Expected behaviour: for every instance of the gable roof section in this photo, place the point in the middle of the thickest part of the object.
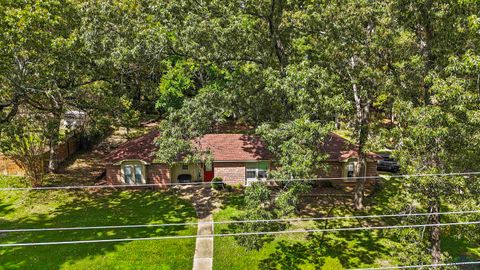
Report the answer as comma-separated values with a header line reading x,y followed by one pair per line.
x,y
224,147
141,148
234,147
229,147
340,149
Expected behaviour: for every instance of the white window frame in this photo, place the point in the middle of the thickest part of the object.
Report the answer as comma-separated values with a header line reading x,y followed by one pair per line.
x,y
351,162
256,170
134,165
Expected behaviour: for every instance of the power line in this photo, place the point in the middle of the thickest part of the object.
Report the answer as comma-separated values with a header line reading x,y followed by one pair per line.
x,y
238,234
237,221
419,266
371,178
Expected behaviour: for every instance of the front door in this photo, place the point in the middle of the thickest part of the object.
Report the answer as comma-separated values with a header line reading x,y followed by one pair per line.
x,y
208,172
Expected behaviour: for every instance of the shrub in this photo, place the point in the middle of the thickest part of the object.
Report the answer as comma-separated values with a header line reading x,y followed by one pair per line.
x,y
238,186
332,264
25,143
218,183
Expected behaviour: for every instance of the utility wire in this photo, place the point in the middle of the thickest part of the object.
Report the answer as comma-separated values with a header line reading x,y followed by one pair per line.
x,y
370,178
237,222
419,266
238,234
377,176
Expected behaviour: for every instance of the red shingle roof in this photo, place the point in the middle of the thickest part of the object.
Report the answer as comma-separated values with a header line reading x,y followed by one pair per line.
x,y
229,147
234,147
339,148
142,148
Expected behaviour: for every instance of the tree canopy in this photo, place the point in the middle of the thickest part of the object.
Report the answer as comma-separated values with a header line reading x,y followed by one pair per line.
x,y
403,75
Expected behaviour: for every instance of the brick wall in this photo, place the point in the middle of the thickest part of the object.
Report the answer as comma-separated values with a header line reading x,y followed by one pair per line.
x,y
372,168
114,175
231,172
336,170
155,173
158,174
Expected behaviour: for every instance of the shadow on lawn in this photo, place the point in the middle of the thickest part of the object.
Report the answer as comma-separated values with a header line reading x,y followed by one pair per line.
x,y
91,209
5,208
351,250
234,199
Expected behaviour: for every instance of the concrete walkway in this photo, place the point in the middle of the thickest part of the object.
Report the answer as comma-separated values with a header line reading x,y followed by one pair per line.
x,y
203,258
202,200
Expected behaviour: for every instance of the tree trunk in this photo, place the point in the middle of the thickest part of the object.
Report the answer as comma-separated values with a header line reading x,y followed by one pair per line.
x,y
54,134
426,35
435,232
392,115
274,20
362,115
359,191
337,121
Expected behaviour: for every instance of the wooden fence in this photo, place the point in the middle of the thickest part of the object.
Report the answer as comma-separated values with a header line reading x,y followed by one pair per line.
x,y
65,150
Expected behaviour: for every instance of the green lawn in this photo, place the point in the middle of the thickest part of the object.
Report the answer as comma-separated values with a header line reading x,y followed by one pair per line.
x,y
353,249
299,250
43,209
229,255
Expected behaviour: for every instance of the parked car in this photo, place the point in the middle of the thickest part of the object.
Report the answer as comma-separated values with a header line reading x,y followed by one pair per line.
x,y
387,164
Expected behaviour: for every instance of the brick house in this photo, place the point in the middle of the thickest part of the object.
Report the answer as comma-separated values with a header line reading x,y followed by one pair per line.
x,y
237,159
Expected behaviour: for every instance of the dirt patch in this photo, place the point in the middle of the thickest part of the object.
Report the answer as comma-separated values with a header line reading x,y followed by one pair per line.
x,y
87,167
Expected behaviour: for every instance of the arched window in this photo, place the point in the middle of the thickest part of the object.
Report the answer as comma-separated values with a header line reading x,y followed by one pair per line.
x,y
133,172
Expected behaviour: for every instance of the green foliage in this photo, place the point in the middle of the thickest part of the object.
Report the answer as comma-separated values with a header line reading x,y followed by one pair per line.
x,y
218,183
258,195
177,84
130,117
332,264
25,143
255,242
288,200
400,73
197,116
296,144
258,207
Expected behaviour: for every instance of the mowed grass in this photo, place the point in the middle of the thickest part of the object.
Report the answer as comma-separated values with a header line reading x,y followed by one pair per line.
x,y
50,209
299,250
351,249
229,255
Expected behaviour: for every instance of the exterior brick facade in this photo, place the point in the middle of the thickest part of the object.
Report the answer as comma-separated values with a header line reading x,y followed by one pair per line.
x,y
231,172
336,170
230,152
155,173
158,174
114,174
372,168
